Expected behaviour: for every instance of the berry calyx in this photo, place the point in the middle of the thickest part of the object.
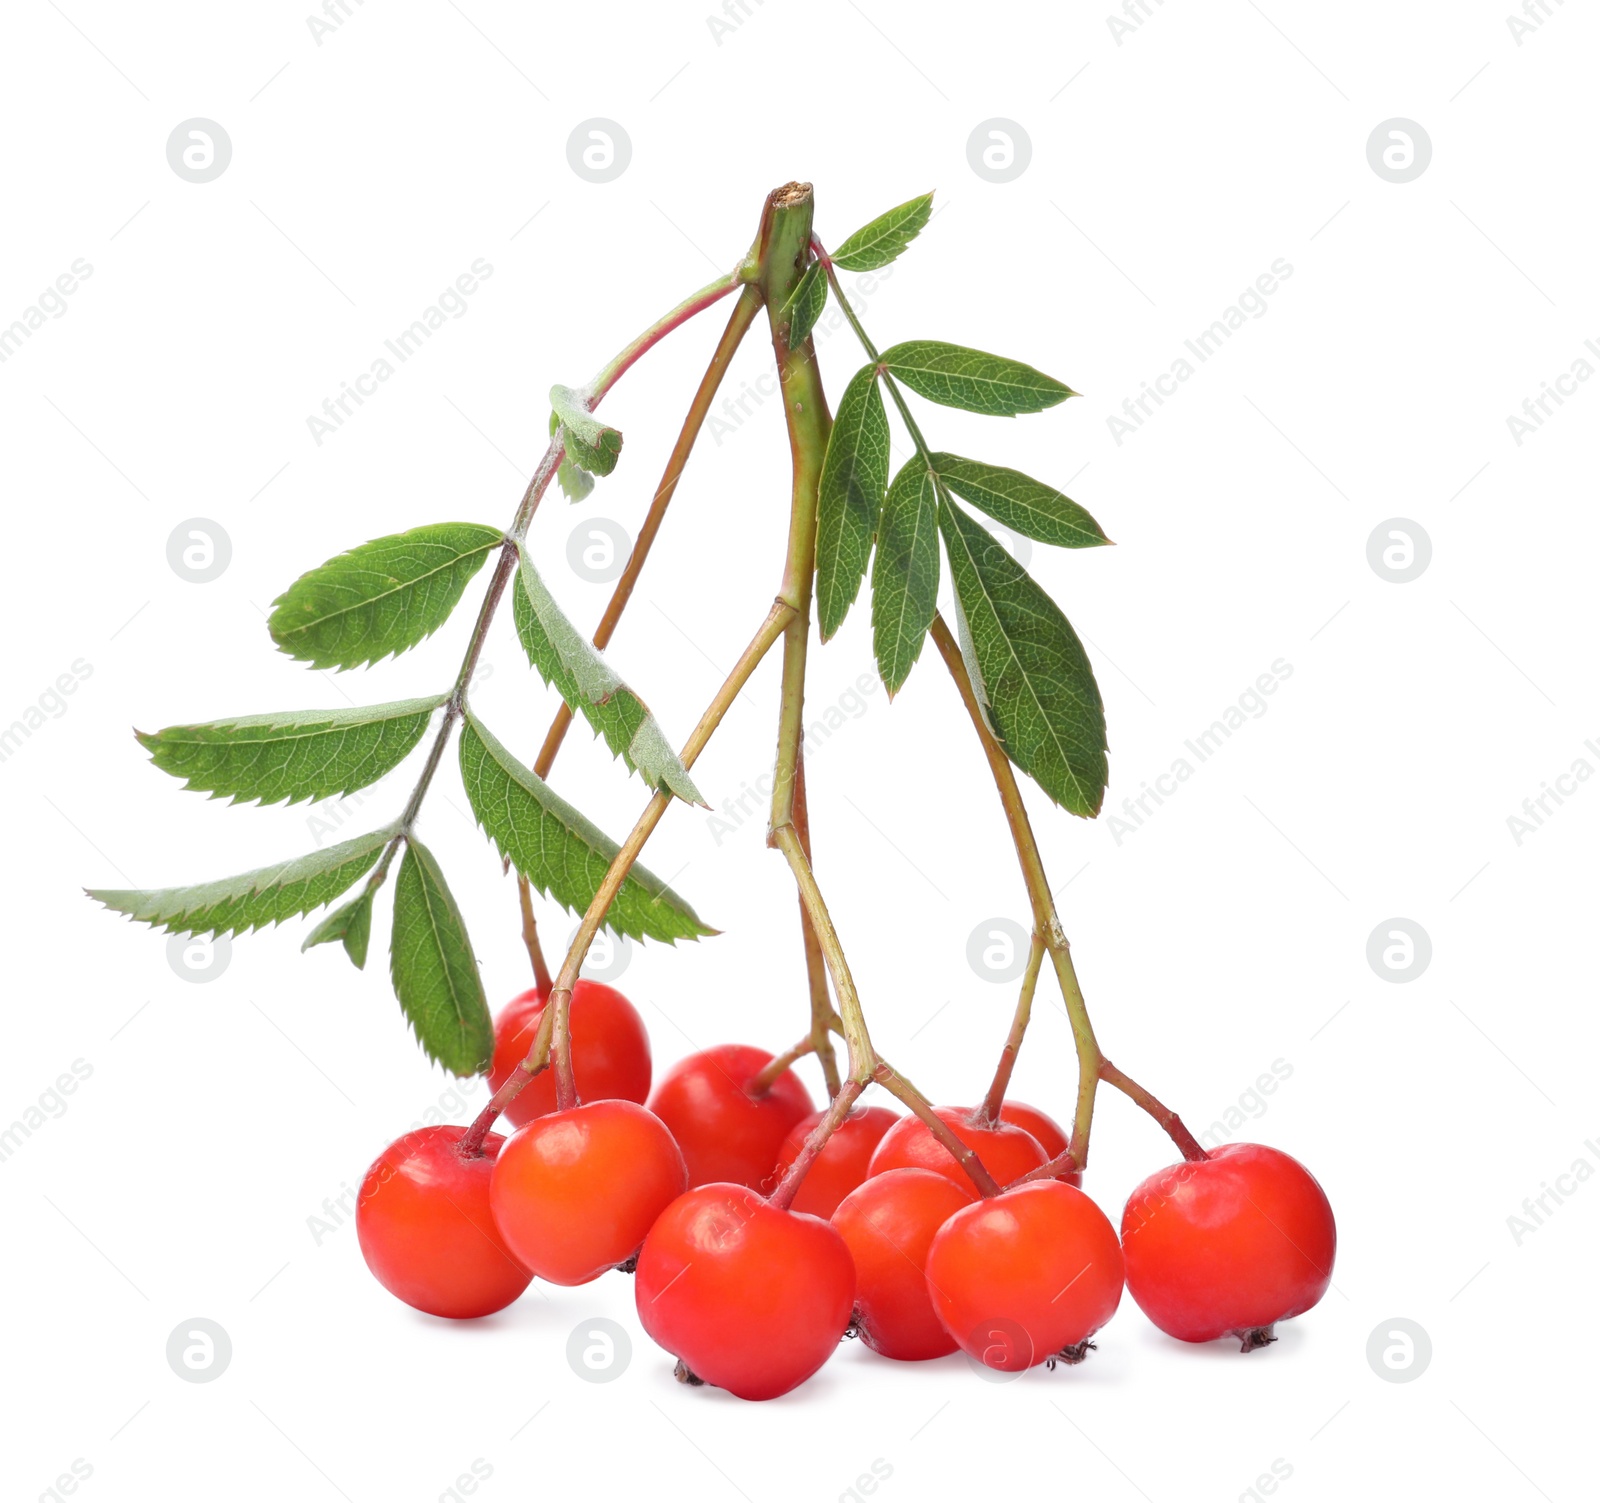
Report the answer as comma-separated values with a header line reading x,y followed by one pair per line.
x,y
1228,1245
888,1223
842,1164
1006,1150
574,1193
728,1132
1049,1133
748,1298
610,1050
427,1232
1026,1277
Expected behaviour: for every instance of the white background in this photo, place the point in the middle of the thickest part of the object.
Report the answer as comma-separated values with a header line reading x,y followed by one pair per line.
x,y
1169,169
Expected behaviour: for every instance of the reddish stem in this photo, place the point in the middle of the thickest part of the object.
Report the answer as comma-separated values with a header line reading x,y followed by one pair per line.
x,y
902,1090
789,1185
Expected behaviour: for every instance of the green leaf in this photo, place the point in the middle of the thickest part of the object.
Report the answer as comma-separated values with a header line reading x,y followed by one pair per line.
x,y
235,905
434,971
971,380
850,497
1030,671
575,483
1022,503
380,598
573,666
556,848
351,923
805,304
878,243
905,573
591,445
295,755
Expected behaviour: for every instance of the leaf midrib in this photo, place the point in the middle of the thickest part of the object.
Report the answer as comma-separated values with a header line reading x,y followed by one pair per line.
x,y
408,584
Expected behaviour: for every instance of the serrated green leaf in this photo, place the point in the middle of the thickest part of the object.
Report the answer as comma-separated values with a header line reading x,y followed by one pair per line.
x,y
380,598
236,905
575,483
878,243
351,923
1030,671
591,445
805,304
1020,502
905,572
574,667
850,498
295,755
434,971
971,380
556,848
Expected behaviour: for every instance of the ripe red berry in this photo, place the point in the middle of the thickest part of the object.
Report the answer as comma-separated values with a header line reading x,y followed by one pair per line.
x,y
574,1192
747,1297
888,1224
1229,1244
426,1230
610,1050
726,1133
1026,1276
842,1164
1006,1151
1049,1133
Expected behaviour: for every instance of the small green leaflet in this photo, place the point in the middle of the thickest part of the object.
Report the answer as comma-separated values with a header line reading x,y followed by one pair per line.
x,y
573,666
556,848
434,971
805,304
296,755
351,923
971,380
380,598
1028,666
236,905
878,243
1020,502
850,497
905,573
591,445
575,483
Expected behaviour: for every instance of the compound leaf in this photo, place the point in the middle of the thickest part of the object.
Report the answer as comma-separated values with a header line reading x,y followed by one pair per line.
x,y
971,380
434,971
1030,671
556,848
295,755
380,598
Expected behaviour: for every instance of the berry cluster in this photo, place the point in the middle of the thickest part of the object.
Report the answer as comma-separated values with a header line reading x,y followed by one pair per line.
x,y
753,1255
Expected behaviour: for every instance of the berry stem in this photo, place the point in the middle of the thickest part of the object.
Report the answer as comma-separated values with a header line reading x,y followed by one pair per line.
x,y
560,999
902,1090
536,1062
744,312
823,1018
1019,1026
788,1187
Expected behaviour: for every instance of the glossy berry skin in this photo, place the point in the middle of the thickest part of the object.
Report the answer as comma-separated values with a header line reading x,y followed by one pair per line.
x,y
842,1164
1228,1245
1006,1151
748,1297
1049,1133
426,1230
573,1193
727,1134
610,1050
888,1223
1026,1276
